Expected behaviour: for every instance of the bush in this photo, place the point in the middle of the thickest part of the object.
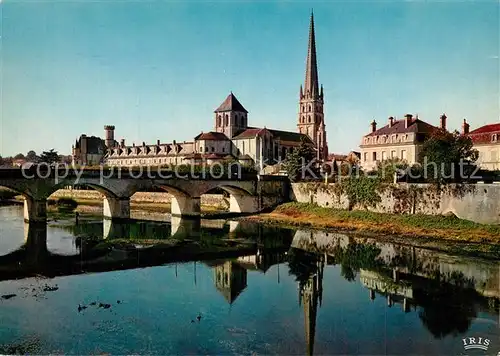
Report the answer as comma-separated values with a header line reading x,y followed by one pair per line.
x,y
66,204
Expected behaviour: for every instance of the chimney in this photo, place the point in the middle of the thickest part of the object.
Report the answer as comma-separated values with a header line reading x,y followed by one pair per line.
x,y
133,145
143,143
391,121
374,126
442,122
465,128
408,120
122,142
157,142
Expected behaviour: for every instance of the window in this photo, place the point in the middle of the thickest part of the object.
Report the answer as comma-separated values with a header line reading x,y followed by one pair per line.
x,y
366,156
223,149
219,120
243,147
309,119
384,156
403,154
226,119
213,149
494,138
393,154
374,156
206,149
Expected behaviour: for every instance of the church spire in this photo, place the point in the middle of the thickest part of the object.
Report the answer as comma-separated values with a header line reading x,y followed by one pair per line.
x,y
311,85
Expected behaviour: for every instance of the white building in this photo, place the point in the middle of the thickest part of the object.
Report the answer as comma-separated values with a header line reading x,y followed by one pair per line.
x,y
402,139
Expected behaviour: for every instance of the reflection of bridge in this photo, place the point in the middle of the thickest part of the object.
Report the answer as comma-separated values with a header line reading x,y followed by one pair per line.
x,y
99,255
248,194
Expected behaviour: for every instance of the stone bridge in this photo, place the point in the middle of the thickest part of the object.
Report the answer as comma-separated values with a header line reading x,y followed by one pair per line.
x,y
248,194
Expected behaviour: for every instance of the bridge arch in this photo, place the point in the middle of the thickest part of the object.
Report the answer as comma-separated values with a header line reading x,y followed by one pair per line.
x,y
97,187
240,199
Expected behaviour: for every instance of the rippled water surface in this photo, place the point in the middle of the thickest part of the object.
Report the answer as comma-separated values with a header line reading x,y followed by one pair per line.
x,y
99,287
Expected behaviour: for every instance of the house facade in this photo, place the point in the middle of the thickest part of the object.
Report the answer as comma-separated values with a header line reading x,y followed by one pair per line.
x,y
486,140
398,139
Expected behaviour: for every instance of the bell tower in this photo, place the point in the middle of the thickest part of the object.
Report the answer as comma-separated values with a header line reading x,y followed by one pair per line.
x,y
231,117
311,119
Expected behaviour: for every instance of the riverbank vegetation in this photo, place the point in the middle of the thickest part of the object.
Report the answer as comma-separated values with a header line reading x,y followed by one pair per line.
x,y
441,227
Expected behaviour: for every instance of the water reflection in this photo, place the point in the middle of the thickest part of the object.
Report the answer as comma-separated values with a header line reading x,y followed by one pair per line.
x,y
446,295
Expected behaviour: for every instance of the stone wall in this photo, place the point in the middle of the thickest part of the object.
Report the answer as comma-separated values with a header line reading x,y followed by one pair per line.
x,y
139,197
479,203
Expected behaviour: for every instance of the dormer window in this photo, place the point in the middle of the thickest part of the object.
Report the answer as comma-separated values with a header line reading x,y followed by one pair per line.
x,y
494,138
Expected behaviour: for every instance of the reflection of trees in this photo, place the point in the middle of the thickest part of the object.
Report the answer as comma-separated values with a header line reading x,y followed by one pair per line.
x,y
302,264
446,309
355,256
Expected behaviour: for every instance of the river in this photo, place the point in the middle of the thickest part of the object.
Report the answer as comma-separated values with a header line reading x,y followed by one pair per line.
x,y
99,287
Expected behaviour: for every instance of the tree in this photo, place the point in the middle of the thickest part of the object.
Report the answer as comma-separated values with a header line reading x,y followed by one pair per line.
x,y
299,160
49,156
388,168
31,156
1,161
19,156
447,157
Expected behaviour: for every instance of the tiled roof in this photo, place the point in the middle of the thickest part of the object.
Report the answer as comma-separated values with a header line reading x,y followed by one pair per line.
x,y
398,126
211,136
250,132
282,135
290,136
484,134
337,157
231,104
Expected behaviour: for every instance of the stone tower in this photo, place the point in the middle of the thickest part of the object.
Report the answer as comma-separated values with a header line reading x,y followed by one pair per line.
x,y
109,131
231,117
311,118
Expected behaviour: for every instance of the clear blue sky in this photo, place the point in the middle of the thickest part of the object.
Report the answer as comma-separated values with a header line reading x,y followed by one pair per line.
x,y
158,69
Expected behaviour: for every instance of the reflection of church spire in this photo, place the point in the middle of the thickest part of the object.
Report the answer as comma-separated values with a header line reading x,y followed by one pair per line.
x,y
311,292
230,280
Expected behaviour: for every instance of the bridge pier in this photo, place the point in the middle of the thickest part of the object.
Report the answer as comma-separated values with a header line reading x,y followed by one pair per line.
x,y
182,228
116,208
115,230
35,210
185,206
35,235
244,203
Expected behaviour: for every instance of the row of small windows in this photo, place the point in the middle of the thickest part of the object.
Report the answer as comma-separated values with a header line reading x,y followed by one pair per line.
x,y
239,120
383,155
141,161
212,149
309,108
308,119
384,139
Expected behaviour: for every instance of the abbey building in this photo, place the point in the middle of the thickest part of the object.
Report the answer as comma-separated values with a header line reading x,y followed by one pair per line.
x,y
231,137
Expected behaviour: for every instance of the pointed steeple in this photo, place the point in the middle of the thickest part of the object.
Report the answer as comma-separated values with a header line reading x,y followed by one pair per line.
x,y
311,87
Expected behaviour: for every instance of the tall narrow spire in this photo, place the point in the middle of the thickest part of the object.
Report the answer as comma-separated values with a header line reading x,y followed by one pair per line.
x,y
311,85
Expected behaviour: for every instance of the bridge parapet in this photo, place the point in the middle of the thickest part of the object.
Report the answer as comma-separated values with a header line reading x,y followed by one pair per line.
x,y
246,195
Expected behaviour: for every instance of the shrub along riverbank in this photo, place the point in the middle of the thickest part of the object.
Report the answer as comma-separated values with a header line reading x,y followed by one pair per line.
x,y
416,226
